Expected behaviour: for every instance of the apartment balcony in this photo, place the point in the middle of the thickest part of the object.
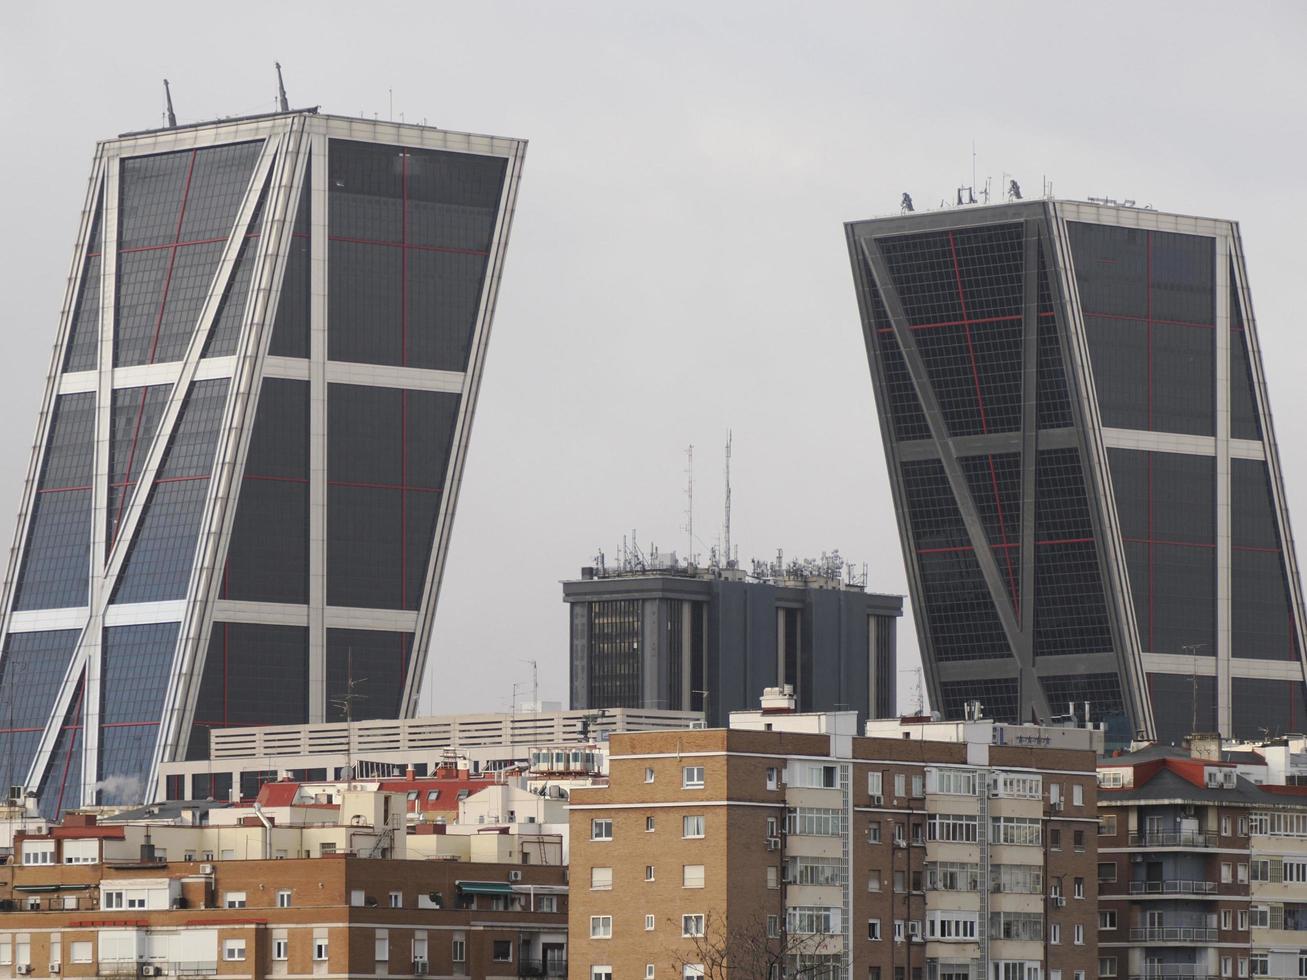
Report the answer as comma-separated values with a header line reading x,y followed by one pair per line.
x,y
1173,886
542,968
1178,975
1174,838
1175,934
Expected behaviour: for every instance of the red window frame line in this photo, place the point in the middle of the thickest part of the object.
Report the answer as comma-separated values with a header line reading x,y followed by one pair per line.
x,y
1150,321
19,731
76,728
405,245
961,323
62,489
195,241
1006,547
129,724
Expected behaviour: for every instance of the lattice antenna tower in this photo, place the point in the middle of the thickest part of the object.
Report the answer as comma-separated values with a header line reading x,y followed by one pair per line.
x,y
689,501
727,558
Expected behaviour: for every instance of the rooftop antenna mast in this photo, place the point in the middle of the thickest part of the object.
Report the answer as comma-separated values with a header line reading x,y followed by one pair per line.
x,y
726,525
282,104
346,705
167,98
689,500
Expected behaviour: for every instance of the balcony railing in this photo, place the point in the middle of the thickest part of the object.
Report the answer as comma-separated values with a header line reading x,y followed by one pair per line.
x,y
1174,838
1173,886
1172,971
1175,934
542,968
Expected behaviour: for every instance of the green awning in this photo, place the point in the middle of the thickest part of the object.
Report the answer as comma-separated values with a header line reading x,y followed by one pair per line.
x,y
484,887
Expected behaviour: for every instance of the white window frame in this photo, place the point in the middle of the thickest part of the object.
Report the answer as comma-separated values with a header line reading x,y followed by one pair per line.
x,y
601,828
601,927
233,950
693,925
686,826
692,777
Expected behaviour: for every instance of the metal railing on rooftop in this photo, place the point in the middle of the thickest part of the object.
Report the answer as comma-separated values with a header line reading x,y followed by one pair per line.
x,y
1174,838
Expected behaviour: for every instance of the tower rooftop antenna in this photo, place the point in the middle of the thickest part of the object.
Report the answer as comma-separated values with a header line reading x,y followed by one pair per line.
x,y
167,97
726,523
282,104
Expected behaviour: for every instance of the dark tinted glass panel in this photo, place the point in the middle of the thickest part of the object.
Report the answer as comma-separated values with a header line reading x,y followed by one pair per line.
x,y
997,697
177,211
901,395
963,622
1261,616
253,675
1183,278
1245,420
84,330
290,331
615,680
1118,351
226,331
1053,406
158,566
1102,691
387,456
268,557
1070,609
995,485
1148,301
61,784
136,665
31,672
1166,508
56,560
1174,712
135,420
377,663
1265,707
410,233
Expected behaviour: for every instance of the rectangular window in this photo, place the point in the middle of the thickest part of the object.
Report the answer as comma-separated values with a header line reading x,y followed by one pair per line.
x,y
1078,839
773,877
1077,794
601,927
501,951
234,900
233,949
601,879
80,951
1227,966
649,825
458,951
918,785
648,774
1259,916
955,827
320,950
900,784
1227,872
1107,966
1078,937
692,925
1243,966
283,898
281,949
873,832
692,875
648,872
1243,920
692,826
381,946
1227,919
873,929
772,778
875,786
601,973
1054,933
1107,825
1079,888
873,881
953,782
1107,871
601,829
1242,873
648,923
951,925
692,777
1225,826
1016,830
1261,964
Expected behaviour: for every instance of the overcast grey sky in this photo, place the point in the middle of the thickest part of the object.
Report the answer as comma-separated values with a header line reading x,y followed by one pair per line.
x,y
677,265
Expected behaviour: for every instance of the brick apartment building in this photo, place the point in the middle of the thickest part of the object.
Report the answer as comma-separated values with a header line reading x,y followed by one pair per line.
x,y
64,911
1202,873
929,851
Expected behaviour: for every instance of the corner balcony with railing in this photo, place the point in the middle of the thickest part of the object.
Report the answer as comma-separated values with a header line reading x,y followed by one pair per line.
x,y
1158,839
1173,886
1174,934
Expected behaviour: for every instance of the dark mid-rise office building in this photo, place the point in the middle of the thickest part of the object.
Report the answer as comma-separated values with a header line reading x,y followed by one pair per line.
x,y
250,446
697,640
1074,414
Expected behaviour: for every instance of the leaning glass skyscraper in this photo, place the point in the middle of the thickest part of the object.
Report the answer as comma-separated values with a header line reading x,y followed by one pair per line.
x,y
1085,476
249,451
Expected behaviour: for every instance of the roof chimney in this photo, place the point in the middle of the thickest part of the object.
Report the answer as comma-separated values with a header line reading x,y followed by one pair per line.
x,y
779,700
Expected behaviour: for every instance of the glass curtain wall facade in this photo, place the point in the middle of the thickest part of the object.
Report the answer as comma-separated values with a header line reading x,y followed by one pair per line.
x,y
1086,482
249,452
